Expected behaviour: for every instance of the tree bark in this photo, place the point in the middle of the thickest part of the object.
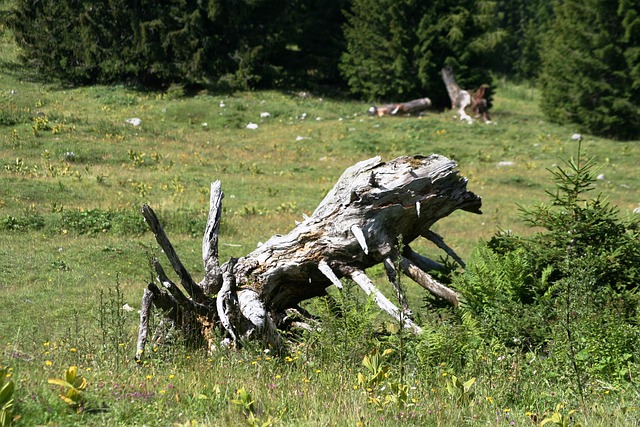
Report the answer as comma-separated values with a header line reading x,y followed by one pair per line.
x,y
373,210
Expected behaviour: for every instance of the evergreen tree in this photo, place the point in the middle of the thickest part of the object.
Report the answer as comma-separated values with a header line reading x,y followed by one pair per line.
x,y
396,49
524,23
591,69
219,42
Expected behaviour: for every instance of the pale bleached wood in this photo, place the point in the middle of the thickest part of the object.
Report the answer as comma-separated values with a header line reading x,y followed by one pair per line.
x,y
143,329
429,283
361,279
374,208
213,275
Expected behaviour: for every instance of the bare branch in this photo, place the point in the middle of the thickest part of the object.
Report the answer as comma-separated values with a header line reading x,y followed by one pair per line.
x,y
213,276
429,283
143,329
439,241
185,278
328,272
361,279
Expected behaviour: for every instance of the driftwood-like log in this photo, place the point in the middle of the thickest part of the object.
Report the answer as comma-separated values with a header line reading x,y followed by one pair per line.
x,y
401,108
358,225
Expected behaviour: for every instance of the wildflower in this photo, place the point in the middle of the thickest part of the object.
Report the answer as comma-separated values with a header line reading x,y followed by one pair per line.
x,y
48,363
288,359
254,363
506,410
278,377
318,371
73,350
46,344
489,399
306,380
171,376
163,391
148,377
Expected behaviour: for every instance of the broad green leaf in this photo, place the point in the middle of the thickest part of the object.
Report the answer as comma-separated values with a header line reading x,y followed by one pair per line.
x,y
6,392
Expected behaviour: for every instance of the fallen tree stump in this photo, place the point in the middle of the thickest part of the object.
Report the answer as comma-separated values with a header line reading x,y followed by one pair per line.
x,y
355,227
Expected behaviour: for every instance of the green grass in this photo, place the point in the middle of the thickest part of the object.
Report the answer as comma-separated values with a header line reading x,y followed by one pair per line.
x,y
73,248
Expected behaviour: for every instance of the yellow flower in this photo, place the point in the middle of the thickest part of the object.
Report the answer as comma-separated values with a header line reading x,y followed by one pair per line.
x,y
171,376
8,375
73,350
489,399
318,371
48,363
46,344
148,377
278,377
306,380
163,391
505,410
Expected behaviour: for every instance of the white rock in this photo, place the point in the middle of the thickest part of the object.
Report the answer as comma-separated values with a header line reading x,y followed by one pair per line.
x,y
134,121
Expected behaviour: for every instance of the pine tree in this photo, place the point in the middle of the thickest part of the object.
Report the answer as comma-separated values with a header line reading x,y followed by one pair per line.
x,y
396,49
591,69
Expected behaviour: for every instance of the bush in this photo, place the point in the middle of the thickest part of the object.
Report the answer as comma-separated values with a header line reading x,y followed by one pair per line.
x,y
568,291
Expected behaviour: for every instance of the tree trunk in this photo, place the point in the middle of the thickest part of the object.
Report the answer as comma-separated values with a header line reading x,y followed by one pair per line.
x,y
401,108
356,226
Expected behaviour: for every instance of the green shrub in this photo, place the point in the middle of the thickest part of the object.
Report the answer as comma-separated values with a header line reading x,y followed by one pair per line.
x,y
567,291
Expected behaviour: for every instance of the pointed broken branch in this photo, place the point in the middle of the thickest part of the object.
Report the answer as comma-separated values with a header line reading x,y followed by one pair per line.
x,y
429,283
185,278
362,280
439,241
213,275
143,329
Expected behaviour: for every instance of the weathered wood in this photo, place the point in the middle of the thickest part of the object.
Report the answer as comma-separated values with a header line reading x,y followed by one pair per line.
x,y
361,279
357,225
402,108
143,329
213,275
185,278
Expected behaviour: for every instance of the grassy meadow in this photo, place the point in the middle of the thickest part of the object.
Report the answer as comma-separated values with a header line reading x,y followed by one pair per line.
x,y
74,253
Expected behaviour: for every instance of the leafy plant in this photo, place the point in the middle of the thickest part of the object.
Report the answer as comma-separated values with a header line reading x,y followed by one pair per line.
x,y
74,386
560,419
459,390
7,388
376,368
